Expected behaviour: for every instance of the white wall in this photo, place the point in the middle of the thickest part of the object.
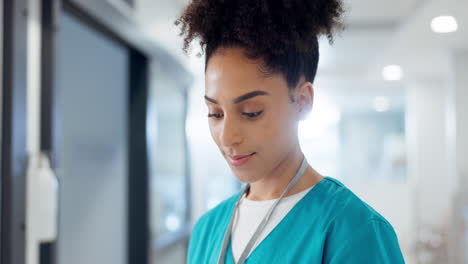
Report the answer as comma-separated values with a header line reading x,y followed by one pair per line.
x,y
428,168
458,131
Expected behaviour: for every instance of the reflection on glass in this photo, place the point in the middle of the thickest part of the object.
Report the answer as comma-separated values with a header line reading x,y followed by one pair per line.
x,y
91,144
166,148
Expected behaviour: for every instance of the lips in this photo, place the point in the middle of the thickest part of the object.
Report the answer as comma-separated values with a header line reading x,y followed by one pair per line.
x,y
239,160
240,156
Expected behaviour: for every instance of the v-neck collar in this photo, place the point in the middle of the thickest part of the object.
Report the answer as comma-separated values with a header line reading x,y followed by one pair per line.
x,y
280,226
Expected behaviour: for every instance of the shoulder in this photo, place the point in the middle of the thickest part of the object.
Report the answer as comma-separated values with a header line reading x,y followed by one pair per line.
x,y
216,215
208,232
353,225
341,205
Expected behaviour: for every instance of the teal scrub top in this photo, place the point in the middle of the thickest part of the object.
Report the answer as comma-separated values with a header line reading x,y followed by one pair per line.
x,y
330,224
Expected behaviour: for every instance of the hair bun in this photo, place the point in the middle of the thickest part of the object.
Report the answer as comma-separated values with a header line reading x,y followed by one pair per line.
x,y
261,25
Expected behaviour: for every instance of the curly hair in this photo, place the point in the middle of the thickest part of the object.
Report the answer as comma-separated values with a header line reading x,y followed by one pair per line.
x,y
283,33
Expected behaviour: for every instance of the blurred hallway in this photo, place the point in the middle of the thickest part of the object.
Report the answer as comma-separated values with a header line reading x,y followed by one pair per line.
x,y
102,92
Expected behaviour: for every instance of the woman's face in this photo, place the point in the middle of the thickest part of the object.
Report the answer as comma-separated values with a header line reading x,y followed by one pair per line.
x,y
249,115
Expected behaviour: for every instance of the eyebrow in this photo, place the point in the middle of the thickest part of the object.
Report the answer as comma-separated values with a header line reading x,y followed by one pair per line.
x,y
240,98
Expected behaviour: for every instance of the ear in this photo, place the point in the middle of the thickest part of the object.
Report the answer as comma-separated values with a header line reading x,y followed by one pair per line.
x,y
304,99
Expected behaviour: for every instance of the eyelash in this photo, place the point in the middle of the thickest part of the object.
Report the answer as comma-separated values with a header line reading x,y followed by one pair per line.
x,y
249,115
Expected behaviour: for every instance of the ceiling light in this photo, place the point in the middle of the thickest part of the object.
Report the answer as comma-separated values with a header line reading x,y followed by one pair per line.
x,y
392,73
381,104
444,24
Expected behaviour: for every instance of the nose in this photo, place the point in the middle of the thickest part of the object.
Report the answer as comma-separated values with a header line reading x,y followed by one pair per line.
x,y
230,133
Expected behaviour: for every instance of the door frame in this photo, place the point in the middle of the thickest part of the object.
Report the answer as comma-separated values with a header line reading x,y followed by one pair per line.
x,y
13,136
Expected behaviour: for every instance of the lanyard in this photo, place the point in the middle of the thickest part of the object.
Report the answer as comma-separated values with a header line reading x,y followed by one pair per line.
x,y
264,222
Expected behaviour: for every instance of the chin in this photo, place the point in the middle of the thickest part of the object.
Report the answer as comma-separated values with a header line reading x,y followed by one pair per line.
x,y
246,177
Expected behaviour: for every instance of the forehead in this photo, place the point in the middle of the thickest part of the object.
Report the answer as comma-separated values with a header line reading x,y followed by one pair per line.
x,y
229,73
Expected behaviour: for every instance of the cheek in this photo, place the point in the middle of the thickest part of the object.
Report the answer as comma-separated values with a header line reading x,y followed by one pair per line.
x,y
272,131
281,128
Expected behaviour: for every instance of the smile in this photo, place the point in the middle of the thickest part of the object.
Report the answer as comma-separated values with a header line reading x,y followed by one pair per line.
x,y
238,161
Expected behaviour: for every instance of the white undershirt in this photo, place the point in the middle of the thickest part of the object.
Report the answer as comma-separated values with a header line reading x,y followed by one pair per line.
x,y
251,213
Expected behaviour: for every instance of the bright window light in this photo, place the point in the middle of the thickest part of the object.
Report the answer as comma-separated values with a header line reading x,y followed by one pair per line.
x,y
444,24
392,73
325,114
381,104
172,222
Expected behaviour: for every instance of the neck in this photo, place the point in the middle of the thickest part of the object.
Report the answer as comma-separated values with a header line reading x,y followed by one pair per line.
x,y
272,186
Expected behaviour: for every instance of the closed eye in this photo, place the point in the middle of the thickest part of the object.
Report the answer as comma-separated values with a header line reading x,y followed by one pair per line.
x,y
215,116
253,115
249,115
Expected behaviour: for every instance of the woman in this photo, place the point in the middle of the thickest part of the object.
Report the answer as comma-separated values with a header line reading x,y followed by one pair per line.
x,y
261,61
